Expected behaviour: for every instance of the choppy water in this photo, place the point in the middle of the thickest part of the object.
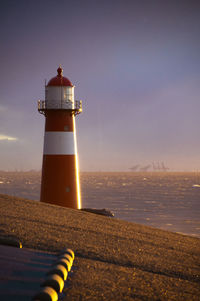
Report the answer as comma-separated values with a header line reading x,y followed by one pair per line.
x,y
169,201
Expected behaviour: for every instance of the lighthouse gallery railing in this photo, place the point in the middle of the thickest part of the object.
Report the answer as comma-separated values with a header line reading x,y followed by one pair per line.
x,y
75,106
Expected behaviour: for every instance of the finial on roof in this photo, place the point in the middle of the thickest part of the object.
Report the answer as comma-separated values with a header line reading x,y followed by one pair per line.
x,y
60,71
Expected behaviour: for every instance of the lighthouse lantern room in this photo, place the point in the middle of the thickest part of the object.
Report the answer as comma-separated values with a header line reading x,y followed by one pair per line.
x,y
60,171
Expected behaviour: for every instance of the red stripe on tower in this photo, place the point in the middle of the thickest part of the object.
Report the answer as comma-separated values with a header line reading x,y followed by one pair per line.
x,y
60,173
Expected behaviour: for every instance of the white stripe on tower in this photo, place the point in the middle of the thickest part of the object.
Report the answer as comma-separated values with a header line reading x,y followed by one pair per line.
x,y
59,143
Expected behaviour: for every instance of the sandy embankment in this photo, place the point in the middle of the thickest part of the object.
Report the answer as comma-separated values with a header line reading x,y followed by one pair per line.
x,y
115,260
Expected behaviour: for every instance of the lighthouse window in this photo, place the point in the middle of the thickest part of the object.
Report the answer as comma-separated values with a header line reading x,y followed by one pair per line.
x,y
67,189
66,128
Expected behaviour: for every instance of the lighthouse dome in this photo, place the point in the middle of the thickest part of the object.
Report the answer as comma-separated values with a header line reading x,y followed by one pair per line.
x,y
60,80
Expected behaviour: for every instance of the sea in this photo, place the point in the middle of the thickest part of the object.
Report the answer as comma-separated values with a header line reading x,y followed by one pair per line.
x,y
164,200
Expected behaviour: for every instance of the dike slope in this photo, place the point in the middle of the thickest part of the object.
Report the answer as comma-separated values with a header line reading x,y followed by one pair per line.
x,y
115,260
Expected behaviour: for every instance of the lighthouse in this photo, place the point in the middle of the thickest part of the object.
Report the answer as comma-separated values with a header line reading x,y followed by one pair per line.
x,y
60,171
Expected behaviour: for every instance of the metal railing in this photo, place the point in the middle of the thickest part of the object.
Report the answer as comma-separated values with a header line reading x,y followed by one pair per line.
x,y
75,107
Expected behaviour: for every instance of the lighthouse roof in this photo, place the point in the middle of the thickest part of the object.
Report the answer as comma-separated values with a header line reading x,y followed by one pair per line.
x,y
60,80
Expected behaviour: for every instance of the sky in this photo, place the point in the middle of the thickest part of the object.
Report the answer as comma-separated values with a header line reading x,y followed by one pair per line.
x,y
136,68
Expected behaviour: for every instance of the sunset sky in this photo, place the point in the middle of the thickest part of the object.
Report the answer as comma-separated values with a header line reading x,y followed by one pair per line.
x,y
135,65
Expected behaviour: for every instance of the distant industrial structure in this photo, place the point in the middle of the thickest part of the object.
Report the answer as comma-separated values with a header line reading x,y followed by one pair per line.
x,y
159,166
60,171
155,166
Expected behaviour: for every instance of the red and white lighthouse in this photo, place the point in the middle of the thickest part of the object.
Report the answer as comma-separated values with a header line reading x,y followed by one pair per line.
x,y
60,171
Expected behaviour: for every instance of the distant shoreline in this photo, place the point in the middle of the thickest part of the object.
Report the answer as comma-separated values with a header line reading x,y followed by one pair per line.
x,y
107,172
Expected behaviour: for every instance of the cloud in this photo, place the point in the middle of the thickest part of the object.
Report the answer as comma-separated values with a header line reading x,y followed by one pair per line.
x,y
8,138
